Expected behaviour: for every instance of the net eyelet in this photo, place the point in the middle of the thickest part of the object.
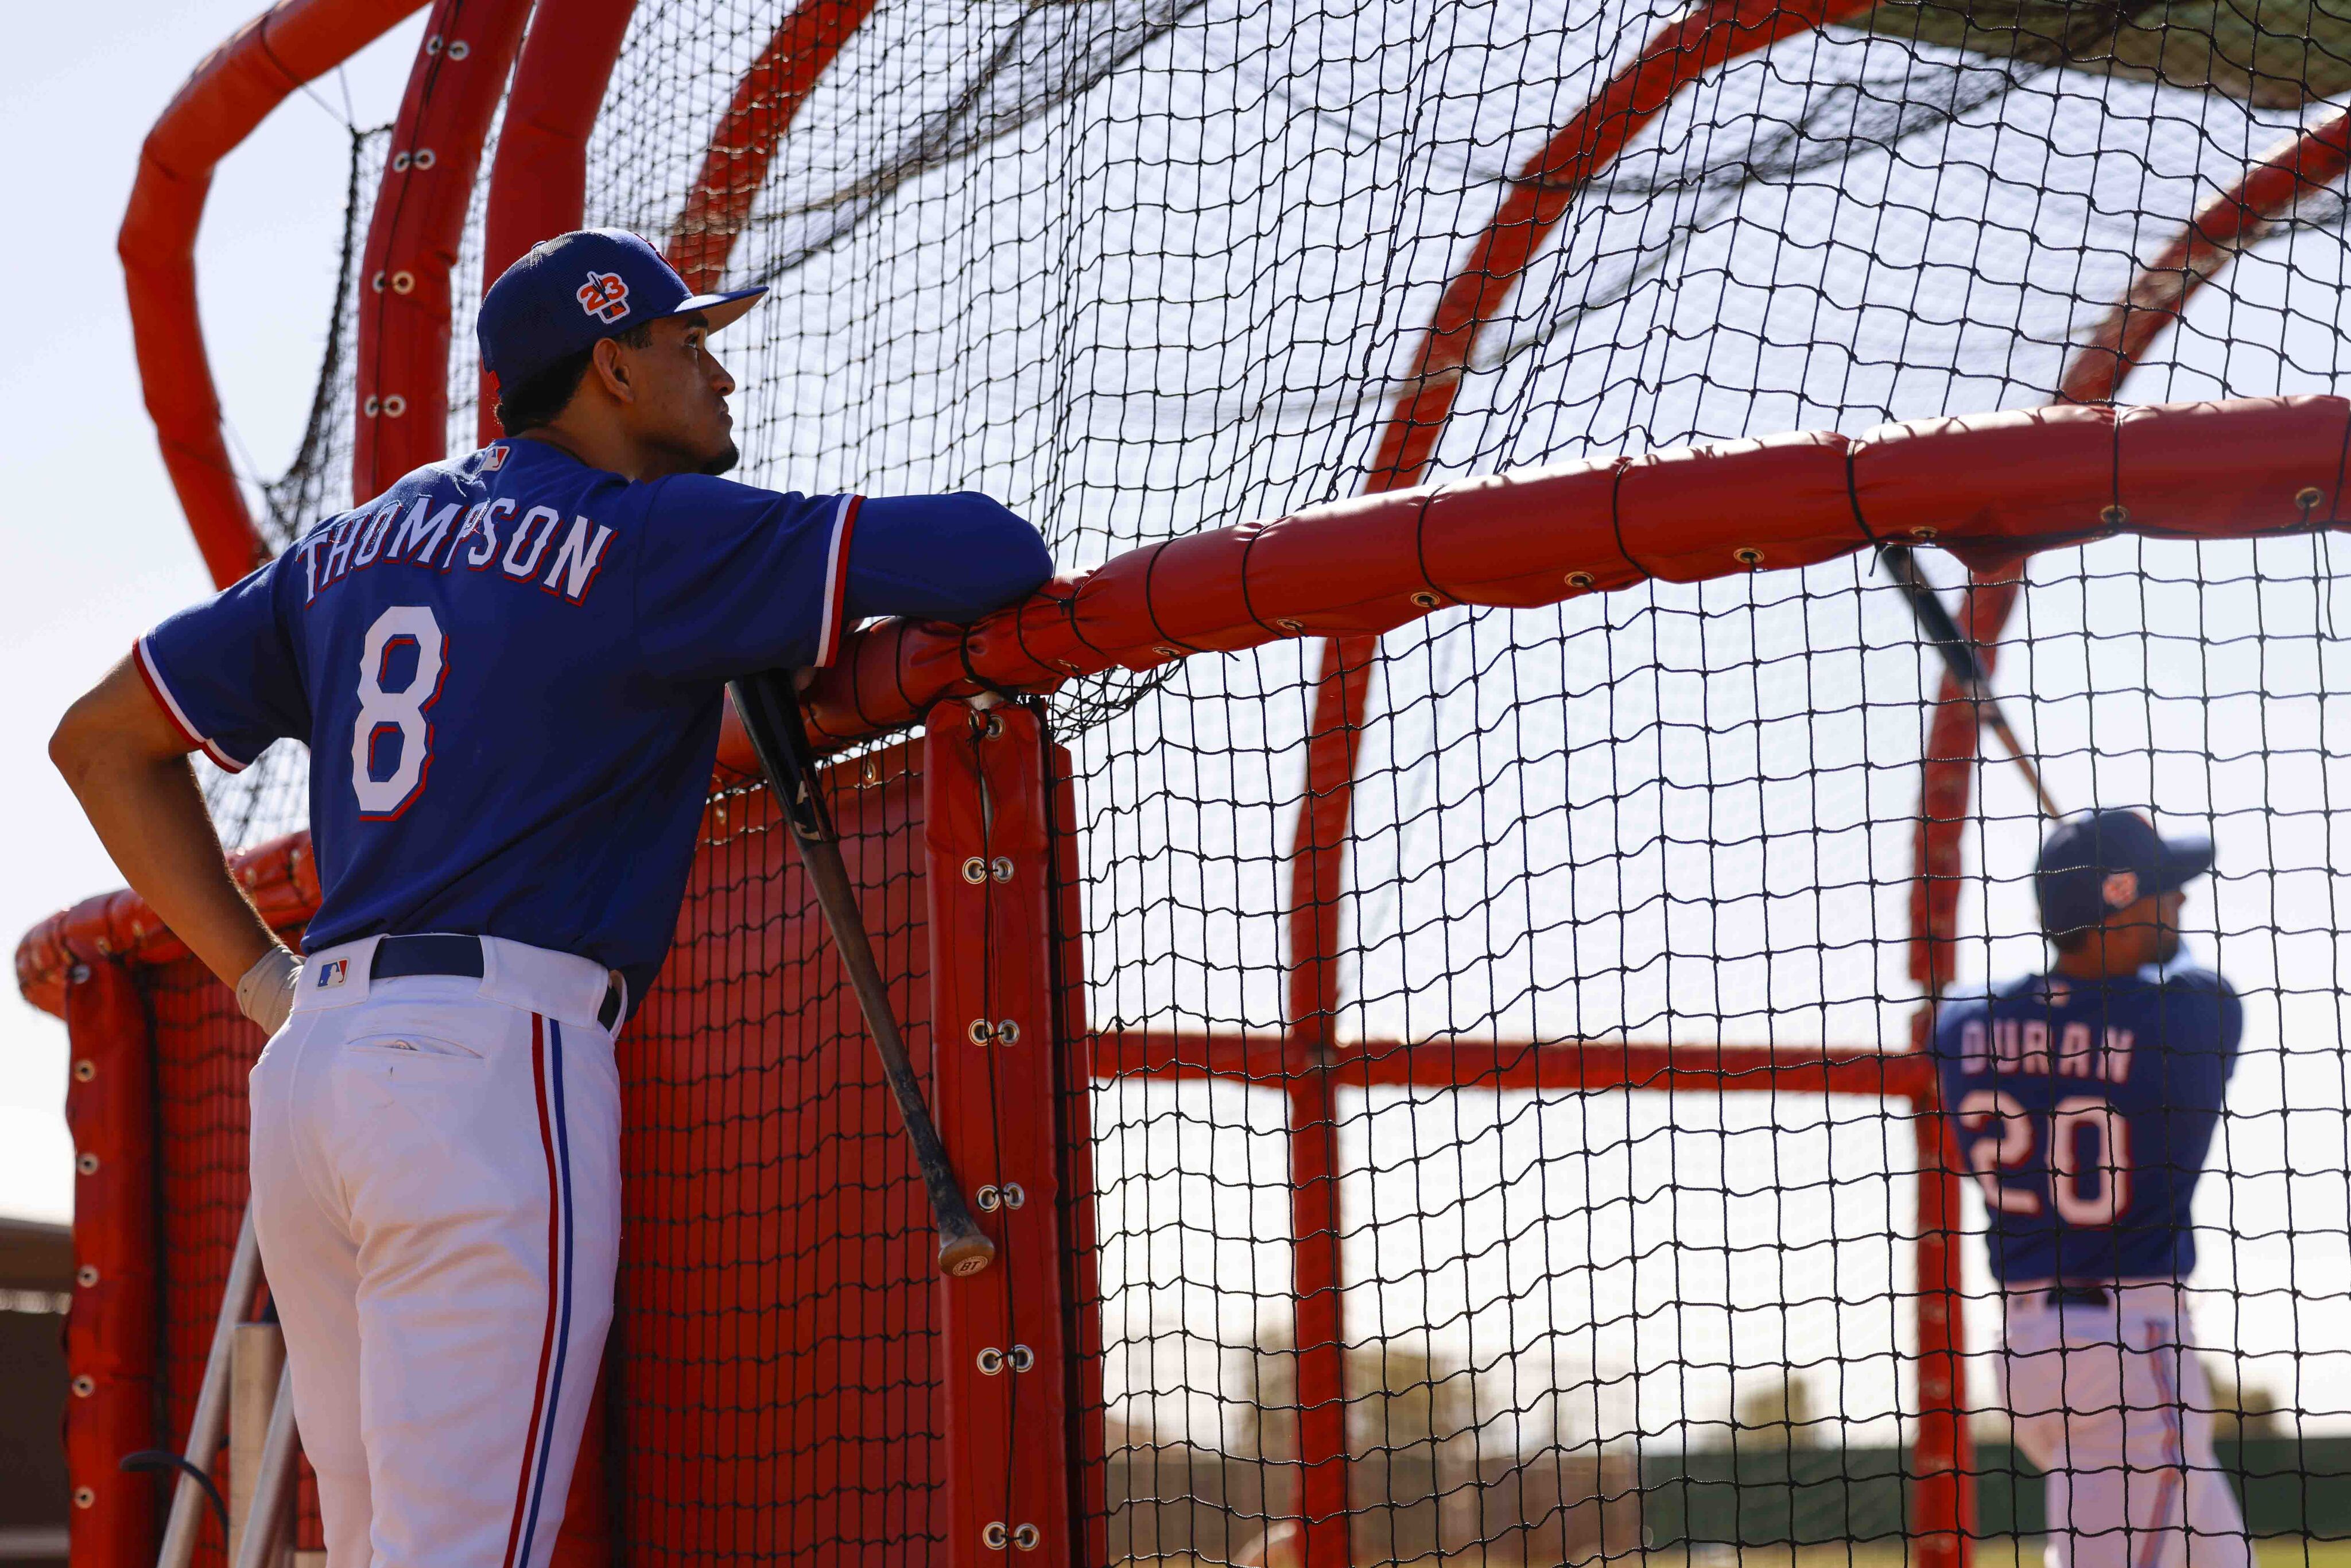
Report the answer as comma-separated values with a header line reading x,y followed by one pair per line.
x,y
1027,1537
995,1536
1579,579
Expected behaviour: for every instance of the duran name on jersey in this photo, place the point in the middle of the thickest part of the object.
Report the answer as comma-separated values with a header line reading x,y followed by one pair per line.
x,y
2084,1112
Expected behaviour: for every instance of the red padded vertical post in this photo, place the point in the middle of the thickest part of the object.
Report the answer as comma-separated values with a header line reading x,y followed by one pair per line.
x,y
996,1081
112,1336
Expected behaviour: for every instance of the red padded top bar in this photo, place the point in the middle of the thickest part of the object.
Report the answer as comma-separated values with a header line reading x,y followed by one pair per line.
x,y
1986,486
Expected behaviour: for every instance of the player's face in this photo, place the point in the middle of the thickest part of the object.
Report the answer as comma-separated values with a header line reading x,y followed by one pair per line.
x,y
681,401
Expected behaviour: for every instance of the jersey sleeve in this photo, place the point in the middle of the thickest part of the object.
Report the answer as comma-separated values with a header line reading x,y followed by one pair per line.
x,y
2203,1022
734,579
227,673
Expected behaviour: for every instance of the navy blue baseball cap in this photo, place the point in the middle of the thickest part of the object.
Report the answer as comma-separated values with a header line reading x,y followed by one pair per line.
x,y
2099,861
569,292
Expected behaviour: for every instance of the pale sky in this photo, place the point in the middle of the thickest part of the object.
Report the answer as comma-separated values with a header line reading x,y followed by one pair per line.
x,y
97,549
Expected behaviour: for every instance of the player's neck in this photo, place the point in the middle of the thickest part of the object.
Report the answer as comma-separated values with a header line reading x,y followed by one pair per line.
x,y
611,449
2098,959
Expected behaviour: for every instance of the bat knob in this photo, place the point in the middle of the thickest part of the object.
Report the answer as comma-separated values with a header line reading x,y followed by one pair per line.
x,y
960,1257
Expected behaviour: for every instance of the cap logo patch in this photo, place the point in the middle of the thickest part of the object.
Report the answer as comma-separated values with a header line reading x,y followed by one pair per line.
x,y
2121,889
605,295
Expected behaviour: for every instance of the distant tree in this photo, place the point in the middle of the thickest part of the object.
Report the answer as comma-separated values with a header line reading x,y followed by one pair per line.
x,y
1776,1410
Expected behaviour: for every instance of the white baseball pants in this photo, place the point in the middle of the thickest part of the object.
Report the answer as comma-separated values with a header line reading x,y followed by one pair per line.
x,y
2115,1408
437,1193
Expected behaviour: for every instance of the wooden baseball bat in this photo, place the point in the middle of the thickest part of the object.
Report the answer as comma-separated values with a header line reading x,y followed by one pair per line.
x,y
1959,657
771,717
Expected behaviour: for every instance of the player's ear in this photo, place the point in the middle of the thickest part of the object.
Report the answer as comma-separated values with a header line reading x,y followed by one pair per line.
x,y
610,366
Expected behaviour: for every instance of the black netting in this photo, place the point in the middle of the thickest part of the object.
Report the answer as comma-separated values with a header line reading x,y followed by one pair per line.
x,y
1139,268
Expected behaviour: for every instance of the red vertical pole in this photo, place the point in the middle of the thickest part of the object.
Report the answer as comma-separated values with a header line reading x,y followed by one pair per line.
x,y
1943,1510
1317,863
1006,1363
111,1333
1943,1501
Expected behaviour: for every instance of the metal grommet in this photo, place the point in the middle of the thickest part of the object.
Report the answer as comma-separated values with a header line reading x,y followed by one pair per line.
x,y
86,1164
993,725
2308,497
394,406
1747,555
400,162
869,772
85,1070
1000,868
84,1497
433,44
995,1536
975,870
85,1276
1027,1537
376,283
1579,579
1013,1197
1164,651
372,406
1425,599
1292,627
1007,1033
404,283
979,1031
1925,531
85,1385
987,1199
459,48
990,1361
78,975
1020,1358
2115,516
424,157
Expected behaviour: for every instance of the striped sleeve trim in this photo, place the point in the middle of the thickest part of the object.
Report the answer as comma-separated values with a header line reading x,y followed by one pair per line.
x,y
144,658
831,629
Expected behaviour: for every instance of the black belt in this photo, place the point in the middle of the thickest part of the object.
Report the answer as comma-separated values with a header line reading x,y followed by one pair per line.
x,y
2079,1296
439,952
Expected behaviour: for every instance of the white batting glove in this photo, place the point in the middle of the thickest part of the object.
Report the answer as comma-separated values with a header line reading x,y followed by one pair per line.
x,y
265,994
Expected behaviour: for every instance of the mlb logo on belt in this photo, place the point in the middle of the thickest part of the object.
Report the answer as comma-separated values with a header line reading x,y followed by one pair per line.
x,y
605,295
334,973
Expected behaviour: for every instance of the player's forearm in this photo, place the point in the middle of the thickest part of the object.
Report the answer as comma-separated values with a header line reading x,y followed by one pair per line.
x,y
151,817
942,558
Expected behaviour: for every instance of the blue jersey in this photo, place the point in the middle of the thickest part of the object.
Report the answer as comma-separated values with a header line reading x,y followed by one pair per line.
x,y
2085,1111
509,670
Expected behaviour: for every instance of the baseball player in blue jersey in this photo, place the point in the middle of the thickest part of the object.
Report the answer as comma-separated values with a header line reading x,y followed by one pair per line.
x,y
2083,1101
508,669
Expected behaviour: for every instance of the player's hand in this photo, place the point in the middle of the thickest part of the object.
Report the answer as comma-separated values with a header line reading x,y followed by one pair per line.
x,y
266,993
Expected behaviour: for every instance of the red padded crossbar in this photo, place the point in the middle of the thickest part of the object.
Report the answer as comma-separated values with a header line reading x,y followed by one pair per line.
x,y
1989,486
